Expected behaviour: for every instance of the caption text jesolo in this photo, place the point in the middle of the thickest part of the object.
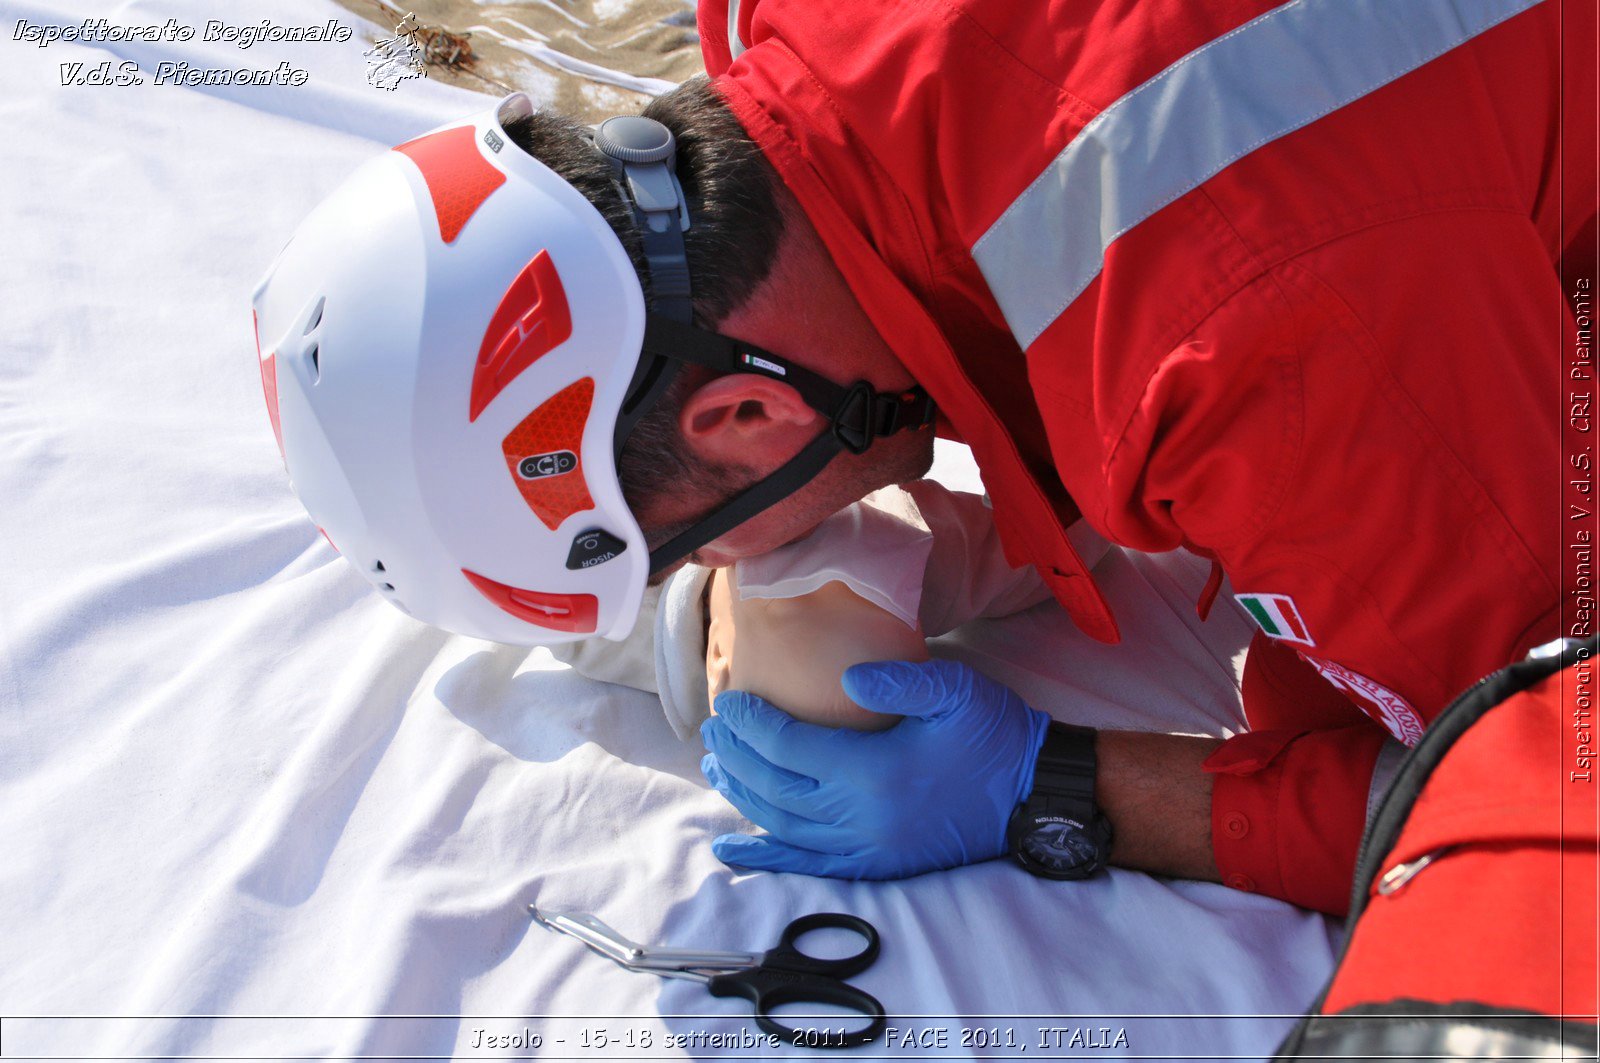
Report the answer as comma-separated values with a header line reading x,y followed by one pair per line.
x,y
894,1037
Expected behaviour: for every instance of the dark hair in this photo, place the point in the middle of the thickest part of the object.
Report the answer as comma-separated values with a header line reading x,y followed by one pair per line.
x,y
731,245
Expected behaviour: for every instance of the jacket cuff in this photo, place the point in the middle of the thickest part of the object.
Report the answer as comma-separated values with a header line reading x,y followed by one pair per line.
x,y
1287,811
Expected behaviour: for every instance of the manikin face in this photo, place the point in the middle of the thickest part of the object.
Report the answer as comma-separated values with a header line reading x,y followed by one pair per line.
x,y
720,631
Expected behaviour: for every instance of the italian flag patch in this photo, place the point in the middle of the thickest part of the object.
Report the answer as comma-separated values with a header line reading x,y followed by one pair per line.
x,y
1277,616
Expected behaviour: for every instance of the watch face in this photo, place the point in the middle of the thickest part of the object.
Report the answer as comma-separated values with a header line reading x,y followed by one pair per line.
x,y
1060,844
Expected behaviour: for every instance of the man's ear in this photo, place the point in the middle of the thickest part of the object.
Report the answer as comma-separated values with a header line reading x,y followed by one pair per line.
x,y
748,420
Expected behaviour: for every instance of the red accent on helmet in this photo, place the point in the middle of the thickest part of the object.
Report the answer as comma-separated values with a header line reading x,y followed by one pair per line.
x,y
554,428
578,613
532,320
459,177
326,536
269,383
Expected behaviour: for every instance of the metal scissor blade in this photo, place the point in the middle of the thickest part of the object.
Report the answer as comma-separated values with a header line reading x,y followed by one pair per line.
x,y
632,955
593,933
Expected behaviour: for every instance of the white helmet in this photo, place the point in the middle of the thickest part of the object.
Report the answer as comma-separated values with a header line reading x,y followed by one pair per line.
x,y
447,346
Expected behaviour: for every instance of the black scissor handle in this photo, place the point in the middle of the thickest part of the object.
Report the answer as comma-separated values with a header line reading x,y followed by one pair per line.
x,y
787,955
768,988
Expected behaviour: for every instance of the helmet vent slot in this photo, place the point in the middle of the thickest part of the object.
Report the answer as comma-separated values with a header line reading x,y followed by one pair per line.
x,y
532,320
377,566
314,359
388,587
315,318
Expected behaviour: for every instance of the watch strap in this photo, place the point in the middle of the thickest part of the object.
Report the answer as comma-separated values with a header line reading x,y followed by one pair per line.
x,y
1063,774
1063,789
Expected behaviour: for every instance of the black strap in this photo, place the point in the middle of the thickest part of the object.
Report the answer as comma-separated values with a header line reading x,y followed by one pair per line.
x,y
650,380
857,415
669,267
1063,775
666,338
793,475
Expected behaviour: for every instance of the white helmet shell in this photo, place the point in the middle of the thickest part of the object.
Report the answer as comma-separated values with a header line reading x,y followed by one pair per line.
x,y
445,345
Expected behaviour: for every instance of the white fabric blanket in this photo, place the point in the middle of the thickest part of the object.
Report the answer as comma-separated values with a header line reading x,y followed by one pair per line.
x,y
249,809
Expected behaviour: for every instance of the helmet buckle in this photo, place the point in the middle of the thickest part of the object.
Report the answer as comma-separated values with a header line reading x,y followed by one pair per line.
x,y
853,422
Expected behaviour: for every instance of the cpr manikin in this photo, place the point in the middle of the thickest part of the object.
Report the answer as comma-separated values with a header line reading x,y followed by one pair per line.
x,y
792,651
871,583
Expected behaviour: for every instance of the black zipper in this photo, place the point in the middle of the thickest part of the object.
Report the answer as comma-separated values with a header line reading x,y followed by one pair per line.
x,y
1390,817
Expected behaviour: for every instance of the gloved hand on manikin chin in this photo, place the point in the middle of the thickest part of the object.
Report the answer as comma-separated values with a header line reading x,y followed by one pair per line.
x,y
935,791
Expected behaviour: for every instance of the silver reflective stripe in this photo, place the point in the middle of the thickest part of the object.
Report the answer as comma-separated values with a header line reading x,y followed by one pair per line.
x,y
736,47
1383,773
1265,79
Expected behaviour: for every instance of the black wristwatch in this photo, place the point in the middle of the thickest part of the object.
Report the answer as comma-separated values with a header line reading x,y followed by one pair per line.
x,y
1059,832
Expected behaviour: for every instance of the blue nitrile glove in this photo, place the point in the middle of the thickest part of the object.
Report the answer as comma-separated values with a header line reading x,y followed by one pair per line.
x,y
934,791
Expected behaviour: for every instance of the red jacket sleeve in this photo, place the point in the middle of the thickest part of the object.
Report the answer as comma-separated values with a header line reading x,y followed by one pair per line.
x,y
1288,809
1290,797
1369,454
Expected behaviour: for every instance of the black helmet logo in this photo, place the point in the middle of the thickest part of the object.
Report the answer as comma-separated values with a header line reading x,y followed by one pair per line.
x,y
539,466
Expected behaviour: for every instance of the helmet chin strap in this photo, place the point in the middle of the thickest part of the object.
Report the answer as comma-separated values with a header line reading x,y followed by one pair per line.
x,y
857,416
643,153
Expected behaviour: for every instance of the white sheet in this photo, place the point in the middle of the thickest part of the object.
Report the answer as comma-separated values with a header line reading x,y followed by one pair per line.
x,y
235,784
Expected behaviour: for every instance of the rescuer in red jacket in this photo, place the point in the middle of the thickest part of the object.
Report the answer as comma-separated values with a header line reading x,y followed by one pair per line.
x,y
1282,284
1276,284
